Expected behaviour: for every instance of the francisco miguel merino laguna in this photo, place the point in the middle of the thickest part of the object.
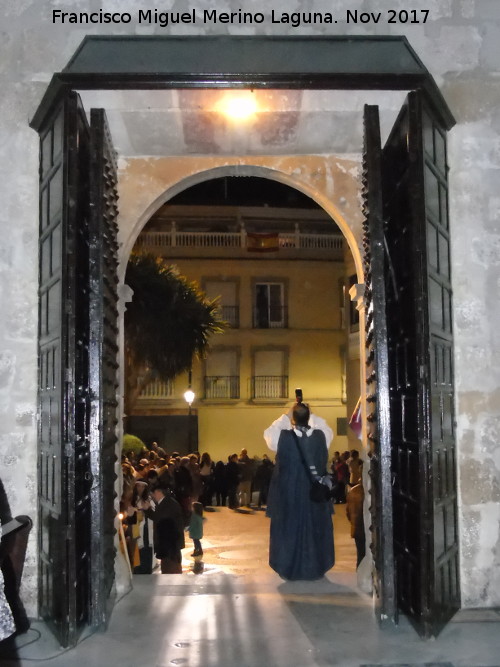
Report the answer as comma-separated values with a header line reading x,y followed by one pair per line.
x,y
163,19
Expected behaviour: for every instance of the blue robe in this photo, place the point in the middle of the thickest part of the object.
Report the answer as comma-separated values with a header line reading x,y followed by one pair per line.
x,y
301,540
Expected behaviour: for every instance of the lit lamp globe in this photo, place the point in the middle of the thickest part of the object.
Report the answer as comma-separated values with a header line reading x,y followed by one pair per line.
x,y
189,396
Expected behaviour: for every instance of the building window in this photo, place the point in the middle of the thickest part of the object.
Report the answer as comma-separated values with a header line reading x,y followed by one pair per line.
x,y
270,379
227,293
269,306
341,425
222,379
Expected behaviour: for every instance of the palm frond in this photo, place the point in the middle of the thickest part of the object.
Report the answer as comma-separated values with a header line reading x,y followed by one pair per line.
x,y
169,320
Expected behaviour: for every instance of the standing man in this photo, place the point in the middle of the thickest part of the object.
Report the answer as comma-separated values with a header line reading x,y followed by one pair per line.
x,y
168,530
246,466
354,512
355,468
301,537
232,479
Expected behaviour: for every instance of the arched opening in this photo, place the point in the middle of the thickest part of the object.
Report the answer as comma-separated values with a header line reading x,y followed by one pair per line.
x,y
248,169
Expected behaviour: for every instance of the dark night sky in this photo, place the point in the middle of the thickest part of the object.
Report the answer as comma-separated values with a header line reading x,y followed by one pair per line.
x,y
243,191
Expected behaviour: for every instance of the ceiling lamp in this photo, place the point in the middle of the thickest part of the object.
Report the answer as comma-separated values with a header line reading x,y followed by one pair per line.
x,y
238,106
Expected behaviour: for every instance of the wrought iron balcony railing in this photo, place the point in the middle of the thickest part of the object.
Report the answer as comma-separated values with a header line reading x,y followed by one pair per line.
x,y
158,389
270,318
231,315
270,386
222,386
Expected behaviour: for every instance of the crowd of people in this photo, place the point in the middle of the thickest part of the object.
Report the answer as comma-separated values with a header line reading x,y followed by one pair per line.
x,y
347,471
183,486
193,483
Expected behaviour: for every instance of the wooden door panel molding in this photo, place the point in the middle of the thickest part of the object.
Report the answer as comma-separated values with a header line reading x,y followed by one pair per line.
x,y
63,326
420,353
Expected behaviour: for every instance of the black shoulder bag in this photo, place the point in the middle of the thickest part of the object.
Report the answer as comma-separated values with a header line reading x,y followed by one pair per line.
x,y
319,491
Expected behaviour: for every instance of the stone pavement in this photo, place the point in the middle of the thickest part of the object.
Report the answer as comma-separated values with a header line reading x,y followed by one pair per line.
x,y
238,613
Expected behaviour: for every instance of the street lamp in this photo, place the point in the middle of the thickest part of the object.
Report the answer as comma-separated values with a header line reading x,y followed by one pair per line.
x,y
189,393
189,397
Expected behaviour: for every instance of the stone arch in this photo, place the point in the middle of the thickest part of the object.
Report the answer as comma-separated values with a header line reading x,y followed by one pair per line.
x,y
238,169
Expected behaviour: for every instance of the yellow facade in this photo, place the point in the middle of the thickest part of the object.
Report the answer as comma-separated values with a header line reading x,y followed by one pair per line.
x,y
313,345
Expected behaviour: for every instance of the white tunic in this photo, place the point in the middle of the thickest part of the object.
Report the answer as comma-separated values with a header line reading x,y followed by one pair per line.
x,y
272,433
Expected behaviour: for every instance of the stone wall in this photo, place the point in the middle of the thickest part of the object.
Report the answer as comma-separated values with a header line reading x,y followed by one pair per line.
x,y
459,45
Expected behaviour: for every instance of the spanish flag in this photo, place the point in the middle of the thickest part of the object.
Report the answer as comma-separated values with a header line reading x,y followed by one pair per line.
x,y
262,242
355,421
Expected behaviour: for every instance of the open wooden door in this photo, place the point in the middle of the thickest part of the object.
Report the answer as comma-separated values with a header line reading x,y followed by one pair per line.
x,y
418,303
378,406
67,448
63,453
103,362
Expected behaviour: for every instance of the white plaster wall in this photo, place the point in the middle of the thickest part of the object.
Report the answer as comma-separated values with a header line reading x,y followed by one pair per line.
x,y
459,44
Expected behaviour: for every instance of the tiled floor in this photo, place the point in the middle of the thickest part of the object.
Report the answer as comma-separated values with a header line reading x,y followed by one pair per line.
x,y
238,613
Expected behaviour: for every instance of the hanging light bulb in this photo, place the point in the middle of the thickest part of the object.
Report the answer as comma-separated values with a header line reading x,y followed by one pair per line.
x,y
238,106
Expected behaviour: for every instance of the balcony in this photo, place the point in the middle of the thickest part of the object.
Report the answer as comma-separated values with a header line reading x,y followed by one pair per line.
x,y
231,315
270,386
270,318
234,244
157,389
222,386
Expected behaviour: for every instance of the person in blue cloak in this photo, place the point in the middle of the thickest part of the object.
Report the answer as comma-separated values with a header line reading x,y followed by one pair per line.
x,y
301,536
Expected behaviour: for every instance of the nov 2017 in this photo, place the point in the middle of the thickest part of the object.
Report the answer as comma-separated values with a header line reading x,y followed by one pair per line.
x,y
393,16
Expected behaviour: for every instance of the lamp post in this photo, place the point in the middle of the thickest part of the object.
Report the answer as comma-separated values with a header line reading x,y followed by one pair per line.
x,y
189,393
189,396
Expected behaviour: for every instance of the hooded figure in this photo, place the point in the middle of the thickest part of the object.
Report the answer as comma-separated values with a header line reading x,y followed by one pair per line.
x,y
301,536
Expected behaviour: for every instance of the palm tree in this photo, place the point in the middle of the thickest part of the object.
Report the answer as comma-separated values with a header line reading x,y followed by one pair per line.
x,y
168,322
